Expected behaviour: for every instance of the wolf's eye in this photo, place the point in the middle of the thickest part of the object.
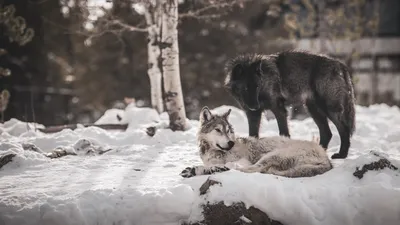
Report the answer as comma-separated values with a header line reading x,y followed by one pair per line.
x,y
218,130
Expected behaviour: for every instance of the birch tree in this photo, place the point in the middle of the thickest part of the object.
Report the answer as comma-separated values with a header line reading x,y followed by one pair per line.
x,y
162,26
153,18
170,64
161,18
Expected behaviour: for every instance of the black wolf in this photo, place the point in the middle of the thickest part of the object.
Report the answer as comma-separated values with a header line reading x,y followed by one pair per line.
x,y
323,84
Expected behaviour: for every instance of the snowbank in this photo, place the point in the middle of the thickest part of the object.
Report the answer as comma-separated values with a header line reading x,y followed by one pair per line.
x,y
134,116
15,127
138,181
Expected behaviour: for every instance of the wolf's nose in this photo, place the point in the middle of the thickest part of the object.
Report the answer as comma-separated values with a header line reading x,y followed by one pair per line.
x,y
231,144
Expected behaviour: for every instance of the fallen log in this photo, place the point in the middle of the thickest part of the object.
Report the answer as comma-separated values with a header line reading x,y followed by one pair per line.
x,y
54,129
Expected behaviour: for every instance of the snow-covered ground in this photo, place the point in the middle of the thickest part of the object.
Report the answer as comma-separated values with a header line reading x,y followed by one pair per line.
x,y
138,181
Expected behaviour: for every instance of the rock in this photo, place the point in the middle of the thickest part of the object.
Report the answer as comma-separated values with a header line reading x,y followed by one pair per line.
x,y
204,188
237,213
377,165
31,147
58,153
151,131
6,159
220,214
87,147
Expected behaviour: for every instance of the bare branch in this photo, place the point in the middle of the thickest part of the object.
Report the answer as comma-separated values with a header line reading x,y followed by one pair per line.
x,y
209,11
127,26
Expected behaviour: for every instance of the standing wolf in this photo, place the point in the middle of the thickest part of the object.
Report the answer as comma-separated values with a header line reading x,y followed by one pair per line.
x,y
323,84
220,150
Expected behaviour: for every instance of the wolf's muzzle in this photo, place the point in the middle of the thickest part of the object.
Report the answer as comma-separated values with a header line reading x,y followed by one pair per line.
x,y
230,146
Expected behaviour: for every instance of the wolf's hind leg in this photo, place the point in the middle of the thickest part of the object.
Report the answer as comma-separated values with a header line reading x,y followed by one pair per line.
x,y
321,120
250,169
268,161
276,161
343,126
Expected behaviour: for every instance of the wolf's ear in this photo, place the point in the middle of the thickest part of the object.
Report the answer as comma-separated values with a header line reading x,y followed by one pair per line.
x,y
226,115
205,114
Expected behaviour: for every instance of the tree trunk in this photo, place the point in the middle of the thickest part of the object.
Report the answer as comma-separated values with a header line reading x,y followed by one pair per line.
x,y
153,20
170,64
323,32
374,81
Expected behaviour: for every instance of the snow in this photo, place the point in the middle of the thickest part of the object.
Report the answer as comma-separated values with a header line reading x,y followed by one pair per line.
x,y
96,8
135,117
138,181
139,8
337,197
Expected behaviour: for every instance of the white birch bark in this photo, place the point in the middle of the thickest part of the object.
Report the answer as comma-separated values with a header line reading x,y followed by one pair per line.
x,y
170,62
153,20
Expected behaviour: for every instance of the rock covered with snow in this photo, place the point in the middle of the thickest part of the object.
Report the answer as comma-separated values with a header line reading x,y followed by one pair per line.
x,y
336,197
135,117
111,116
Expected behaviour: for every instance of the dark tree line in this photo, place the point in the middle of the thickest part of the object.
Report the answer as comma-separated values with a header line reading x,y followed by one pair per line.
x,y
75,67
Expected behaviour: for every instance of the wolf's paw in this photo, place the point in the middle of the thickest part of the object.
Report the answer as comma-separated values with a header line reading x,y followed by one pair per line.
x,y
338,156
188,172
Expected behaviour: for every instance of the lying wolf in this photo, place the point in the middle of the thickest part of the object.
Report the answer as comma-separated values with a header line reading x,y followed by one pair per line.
x,y
220,150
323,84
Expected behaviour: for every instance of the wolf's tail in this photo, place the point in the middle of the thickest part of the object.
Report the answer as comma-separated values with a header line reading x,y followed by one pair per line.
x,y
303,170
350,100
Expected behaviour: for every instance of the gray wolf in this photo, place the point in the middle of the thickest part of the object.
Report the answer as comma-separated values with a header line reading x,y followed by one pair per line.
x,y
272,82
220,150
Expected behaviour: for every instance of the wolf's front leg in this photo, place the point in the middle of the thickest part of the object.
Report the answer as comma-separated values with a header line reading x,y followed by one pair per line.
x,y
254,119
202,170
280,114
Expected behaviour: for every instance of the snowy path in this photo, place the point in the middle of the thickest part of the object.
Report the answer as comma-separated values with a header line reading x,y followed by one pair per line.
x,y
139,183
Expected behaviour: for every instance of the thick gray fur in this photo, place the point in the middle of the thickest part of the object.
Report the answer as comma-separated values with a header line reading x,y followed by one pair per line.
x,y
271,155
